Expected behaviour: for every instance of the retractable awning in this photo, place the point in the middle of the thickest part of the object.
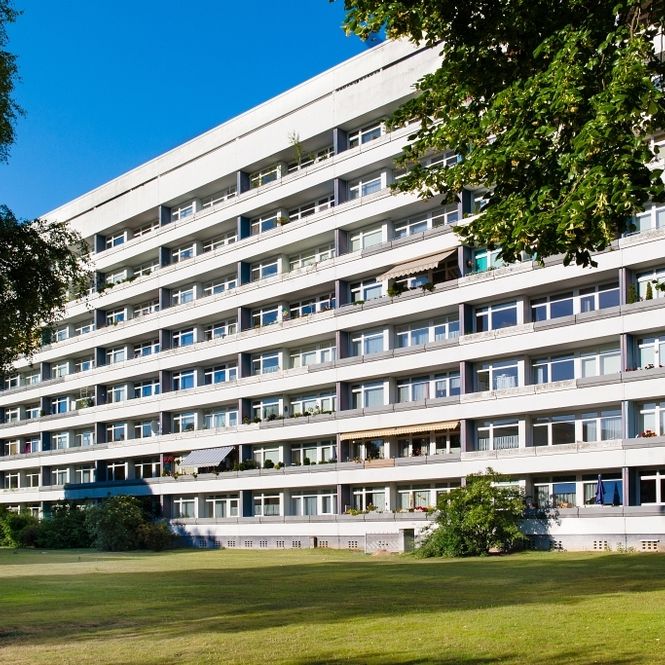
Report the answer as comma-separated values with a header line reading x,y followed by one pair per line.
x,y
206,457
396,431
417,265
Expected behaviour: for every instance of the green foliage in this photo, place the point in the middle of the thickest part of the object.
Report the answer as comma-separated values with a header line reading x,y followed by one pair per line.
x,y
648,295
632,295
548,104
9,109
156,536
114,524
11,526
37,268
64,527
476,519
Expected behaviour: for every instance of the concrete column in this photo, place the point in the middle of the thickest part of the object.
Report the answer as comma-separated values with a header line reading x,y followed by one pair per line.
x,y
340,140
164,215
242,182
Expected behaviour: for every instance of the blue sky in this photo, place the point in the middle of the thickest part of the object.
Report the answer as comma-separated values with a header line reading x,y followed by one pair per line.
x,y
109,84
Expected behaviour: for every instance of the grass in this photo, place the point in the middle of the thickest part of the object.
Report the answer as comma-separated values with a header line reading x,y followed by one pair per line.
x,y
310,607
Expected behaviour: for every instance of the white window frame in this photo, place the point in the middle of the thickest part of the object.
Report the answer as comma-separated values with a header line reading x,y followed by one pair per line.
x,y
220,285
362,391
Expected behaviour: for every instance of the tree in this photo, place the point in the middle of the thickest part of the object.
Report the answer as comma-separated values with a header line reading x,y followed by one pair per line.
x,y
114,524
477,518
549,105
39,260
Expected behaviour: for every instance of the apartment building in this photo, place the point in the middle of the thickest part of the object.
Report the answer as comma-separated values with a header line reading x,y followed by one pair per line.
x,y
283,353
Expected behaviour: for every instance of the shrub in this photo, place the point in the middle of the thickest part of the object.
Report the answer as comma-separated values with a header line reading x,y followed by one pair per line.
x,y
64,527
156,536
268,464
114,524
476,519
28,536
11,525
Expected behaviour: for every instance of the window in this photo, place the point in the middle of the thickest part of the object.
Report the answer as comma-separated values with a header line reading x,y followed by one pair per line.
x,y
497,375
653,217
265,316
183,253
12,382
554,430
220,241
145,269
116,277
220,285
31,445
219,329
560,492
147,468
313,404
425,222
652,418
218,197
145,308
365,238
415,498
58,370
497,435
145,229
84,365
60,440
311,306
146,348
145,429
184,422
652,486
601,362
494,317
61,334
553,368
366,343
311,208
184,380
185,337
84,328
183,295
266,363
11,481
325,352
182,211
599,297
368,395
32,411
322,502
652,351
32,379
427,387
365,134
368,289
261,454
32,479
220,418
85,438
12,447
601,425
221,506
115,316
60,405
552,307
369,498
117,393
264,223
265,176
487,259
60,476
85,475
220,374
116,355
267,408
612,489
116,432
655,277
311,158
116,239
416,334
369,184
264,269
266,504
311,256
146,388
184,507
314,451
12,415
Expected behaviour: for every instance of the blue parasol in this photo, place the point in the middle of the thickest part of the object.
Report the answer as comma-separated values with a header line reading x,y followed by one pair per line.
x,y
600,491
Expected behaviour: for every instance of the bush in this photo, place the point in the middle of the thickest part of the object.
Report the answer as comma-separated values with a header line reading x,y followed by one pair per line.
x,y
114,524
28,536
11,525
476,519
156,536
65,527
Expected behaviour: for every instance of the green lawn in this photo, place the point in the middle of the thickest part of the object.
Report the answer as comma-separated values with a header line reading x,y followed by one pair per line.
x,y
307,607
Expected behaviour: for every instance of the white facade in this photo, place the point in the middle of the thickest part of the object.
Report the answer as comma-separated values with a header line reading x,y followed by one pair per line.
x,y
266,301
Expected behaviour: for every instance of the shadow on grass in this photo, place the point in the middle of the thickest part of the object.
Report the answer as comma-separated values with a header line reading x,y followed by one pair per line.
x,y
66,609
